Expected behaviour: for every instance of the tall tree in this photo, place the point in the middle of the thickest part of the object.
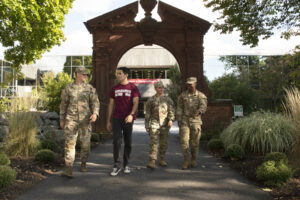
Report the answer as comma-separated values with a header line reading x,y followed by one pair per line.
x,y
257,18
29,28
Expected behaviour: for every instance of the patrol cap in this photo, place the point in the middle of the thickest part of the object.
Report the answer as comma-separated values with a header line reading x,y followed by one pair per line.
x,y
158,84
191,80
82,70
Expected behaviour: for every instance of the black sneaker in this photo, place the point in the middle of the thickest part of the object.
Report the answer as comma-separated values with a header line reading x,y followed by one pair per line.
x,y
115,171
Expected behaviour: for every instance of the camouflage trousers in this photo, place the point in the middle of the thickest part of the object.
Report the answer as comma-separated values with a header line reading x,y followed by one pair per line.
x,y
158,136
190,133
72,130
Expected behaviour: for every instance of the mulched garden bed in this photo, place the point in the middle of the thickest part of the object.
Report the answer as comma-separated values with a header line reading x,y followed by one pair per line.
x,y
247,168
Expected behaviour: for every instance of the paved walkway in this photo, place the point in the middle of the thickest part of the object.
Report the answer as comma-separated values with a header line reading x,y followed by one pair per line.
x,y
210,181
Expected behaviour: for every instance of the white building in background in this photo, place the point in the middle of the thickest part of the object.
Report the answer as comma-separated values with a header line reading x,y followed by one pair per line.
x,y
147,65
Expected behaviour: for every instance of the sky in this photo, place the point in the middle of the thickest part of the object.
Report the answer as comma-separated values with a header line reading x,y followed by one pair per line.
x,y
79,40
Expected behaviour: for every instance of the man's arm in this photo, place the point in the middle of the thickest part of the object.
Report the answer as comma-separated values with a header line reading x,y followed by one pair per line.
x,y
179,110
147,115
95,105
135,103
63,108
109,112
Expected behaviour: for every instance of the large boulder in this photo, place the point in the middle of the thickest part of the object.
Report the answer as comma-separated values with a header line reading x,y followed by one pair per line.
x,y
50,115
4,130
54,134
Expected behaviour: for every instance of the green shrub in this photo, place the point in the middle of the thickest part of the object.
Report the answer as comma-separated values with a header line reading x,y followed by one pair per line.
x,y
51,92
4,159
215,144
235,151
4,102
273,173
260,133
48,144
95,137
277,157
45,156
7,176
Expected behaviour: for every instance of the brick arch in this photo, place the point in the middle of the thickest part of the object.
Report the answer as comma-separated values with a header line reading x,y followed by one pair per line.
x,y
116,32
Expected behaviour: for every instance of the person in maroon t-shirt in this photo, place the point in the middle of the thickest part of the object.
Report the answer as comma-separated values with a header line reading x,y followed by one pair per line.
x,y
125,97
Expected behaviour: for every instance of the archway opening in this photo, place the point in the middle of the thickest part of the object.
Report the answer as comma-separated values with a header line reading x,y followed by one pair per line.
x,y
150,64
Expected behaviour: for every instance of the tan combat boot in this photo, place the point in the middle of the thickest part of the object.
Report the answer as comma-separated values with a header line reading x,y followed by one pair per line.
x,y
186,162
162,162
193,163
83,167
67,172
151,164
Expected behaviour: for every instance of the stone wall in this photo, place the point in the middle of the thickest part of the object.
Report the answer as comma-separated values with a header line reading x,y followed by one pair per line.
x,y
219,114
48,127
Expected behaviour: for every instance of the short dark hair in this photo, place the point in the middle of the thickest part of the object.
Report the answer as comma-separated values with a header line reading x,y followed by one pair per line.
x,y
125,70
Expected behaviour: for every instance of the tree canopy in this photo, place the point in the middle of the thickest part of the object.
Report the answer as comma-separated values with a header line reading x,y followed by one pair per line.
x,y
29,28
257,18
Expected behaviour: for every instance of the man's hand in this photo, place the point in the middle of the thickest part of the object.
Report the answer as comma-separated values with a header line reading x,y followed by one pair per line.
x,y
62,124
148,130
170,123
93,117
129,119
108,126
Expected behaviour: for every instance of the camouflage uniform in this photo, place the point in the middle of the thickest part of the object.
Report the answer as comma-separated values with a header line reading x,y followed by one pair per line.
x,y
78,103
159,111
188,113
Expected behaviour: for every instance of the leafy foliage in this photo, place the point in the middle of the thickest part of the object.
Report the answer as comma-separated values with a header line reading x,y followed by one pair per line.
x,y
4,104
229,87
235,151
29,28
45,156
273,173
174,88
277,157
95,137
257,19
4,159
52,89
260,132
7,176
215,144
48,144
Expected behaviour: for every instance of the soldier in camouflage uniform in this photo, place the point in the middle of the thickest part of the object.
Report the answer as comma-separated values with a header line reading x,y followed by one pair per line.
x,y
191,104
158,121
79,107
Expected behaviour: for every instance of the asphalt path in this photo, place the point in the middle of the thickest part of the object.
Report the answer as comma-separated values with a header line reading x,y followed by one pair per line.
x,y
211,180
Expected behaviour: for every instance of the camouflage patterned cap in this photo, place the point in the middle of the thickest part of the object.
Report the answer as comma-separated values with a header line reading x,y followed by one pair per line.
x,y
191,80
82,70
158,84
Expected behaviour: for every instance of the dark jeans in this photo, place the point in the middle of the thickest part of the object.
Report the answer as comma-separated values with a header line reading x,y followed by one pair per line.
x,y
121,129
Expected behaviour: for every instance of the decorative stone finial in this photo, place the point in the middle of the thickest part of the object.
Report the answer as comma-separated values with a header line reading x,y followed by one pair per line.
x,y
148,6
148,26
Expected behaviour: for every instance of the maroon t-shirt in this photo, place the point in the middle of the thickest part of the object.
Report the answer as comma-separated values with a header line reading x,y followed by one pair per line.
x,y
123,96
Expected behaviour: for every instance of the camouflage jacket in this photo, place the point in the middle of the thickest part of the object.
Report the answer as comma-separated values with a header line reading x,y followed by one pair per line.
x,y
79,102
159,111
191,106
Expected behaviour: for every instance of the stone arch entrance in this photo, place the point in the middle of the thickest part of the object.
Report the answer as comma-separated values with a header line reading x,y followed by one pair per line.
x,y
115,32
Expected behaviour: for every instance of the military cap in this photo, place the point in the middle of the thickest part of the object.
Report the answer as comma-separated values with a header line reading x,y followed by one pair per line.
x,y
158,84
82,70
191,80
